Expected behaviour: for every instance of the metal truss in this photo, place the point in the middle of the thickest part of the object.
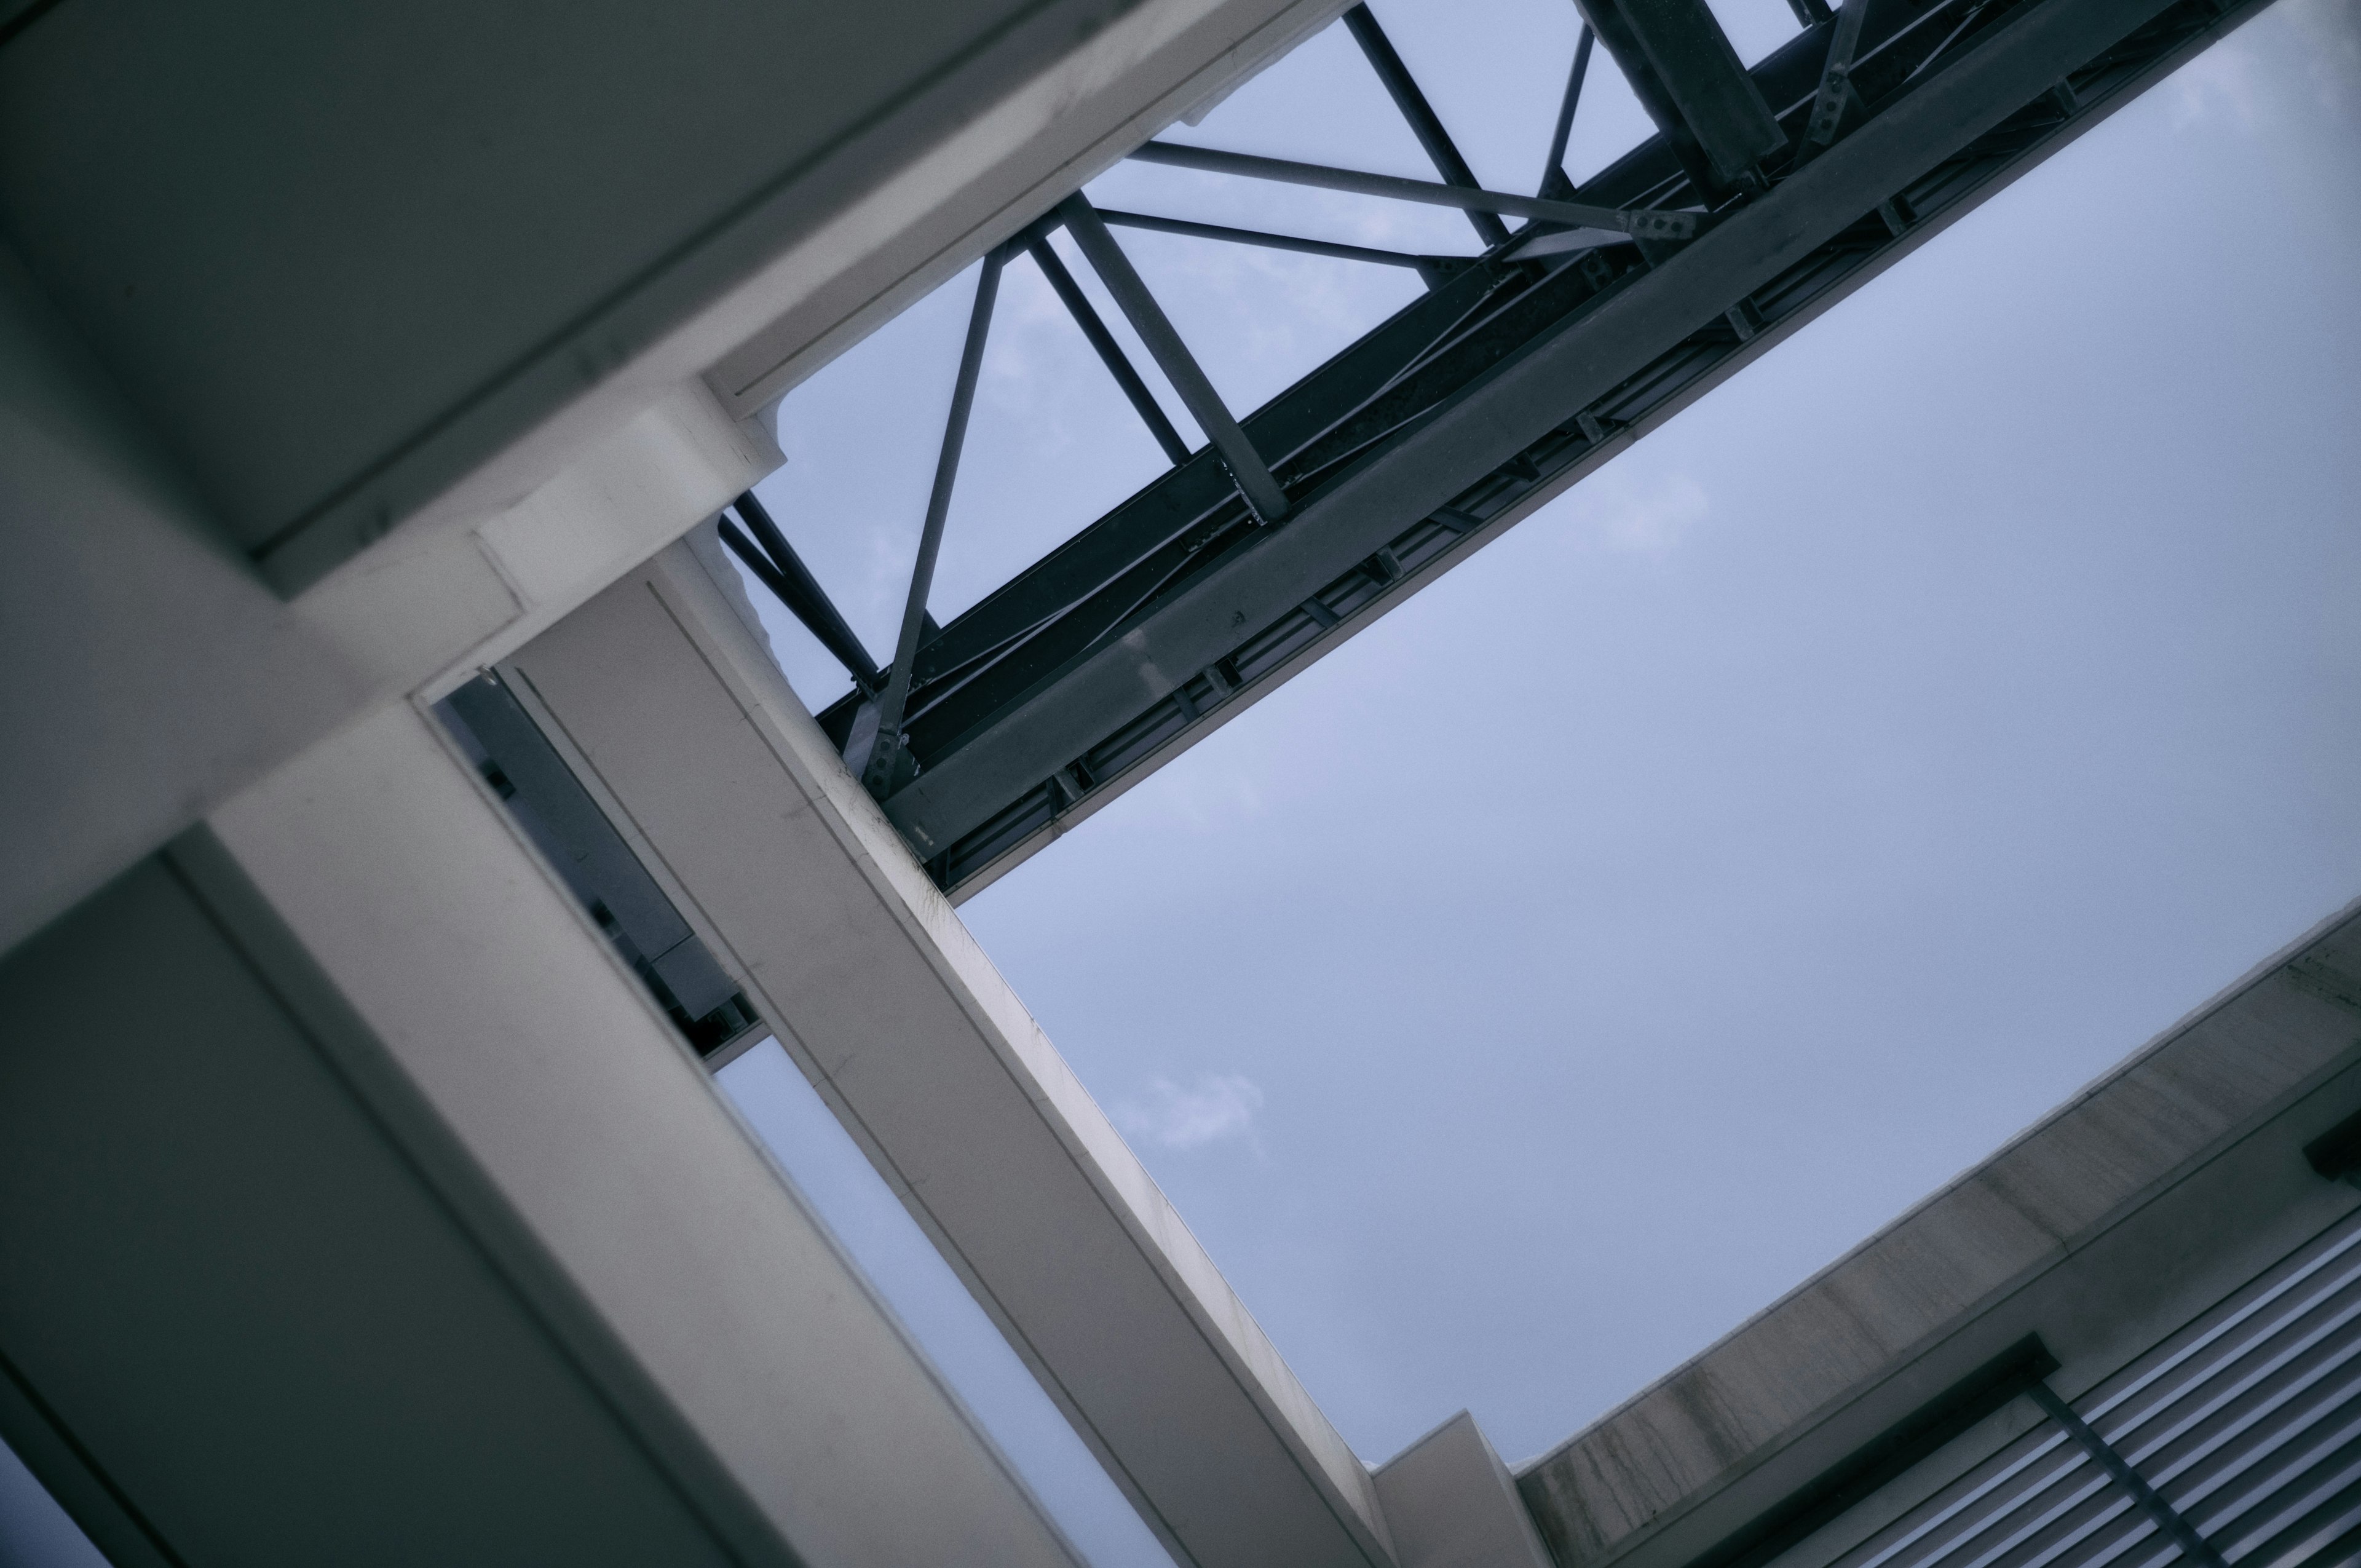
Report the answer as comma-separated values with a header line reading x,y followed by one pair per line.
x,y
1764,198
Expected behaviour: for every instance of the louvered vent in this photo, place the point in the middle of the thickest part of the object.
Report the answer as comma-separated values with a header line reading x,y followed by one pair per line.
x,y
2248,1422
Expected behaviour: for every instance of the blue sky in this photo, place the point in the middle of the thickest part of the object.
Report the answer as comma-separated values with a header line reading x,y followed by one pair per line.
x,y
1899,738
1892,742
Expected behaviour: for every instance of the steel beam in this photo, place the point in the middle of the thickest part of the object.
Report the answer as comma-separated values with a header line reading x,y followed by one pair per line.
x,y
791,582
1062,595
1836,94
1639,223
1172,357
1086,316
1646,324
877,772
1555,182
1424,122
1684,72
1268,241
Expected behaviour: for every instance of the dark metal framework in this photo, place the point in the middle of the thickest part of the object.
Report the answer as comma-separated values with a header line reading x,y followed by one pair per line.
x,y
607,877
1766,196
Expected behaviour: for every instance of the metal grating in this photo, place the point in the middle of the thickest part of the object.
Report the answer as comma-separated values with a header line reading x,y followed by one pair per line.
x,y
2246,1422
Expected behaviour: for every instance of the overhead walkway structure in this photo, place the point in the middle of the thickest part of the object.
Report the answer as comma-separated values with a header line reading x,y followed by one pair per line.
x,y
1766,197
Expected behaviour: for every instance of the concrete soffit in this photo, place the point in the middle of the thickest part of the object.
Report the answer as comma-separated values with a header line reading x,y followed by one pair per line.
x,y
213,674
817,264
884,242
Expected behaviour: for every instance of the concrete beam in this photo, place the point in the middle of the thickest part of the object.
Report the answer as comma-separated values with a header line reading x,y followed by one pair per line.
x,y
2174,1178
678,715
1452,1503
523,1077
256,1310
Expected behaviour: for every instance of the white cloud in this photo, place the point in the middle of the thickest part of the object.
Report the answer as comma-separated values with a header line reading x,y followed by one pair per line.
x,y
1202,799
1221,1105
2241,82
2331,32
1638,516
2223,85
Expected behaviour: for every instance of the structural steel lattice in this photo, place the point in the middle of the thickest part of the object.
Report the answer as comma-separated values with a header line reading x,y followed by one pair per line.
x,y
1765,197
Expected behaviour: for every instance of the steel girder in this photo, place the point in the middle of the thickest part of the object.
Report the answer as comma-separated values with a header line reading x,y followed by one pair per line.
x,y
1505,384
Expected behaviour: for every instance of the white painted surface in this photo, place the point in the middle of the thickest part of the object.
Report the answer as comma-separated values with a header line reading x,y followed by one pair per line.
x,y
905,1267
408,884
153,673
1452,1504
868,976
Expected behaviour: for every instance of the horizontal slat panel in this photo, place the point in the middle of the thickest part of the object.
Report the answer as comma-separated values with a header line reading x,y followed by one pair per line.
x,y
2247,1419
